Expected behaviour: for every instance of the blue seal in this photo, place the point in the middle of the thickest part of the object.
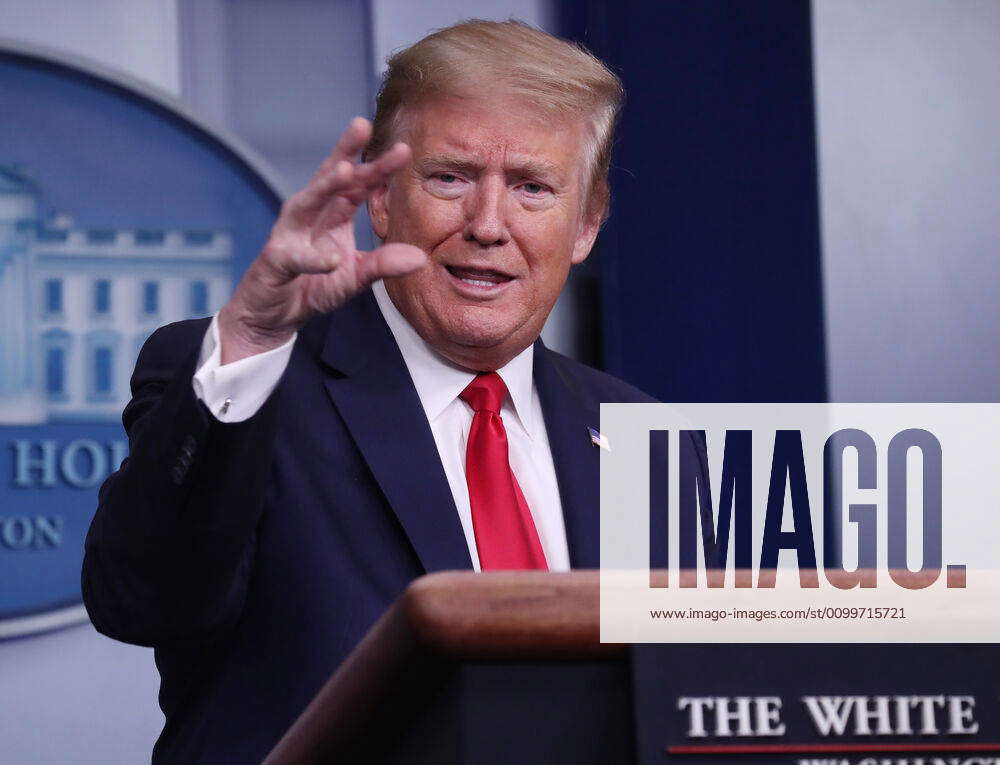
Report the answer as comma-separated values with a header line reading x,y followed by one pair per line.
x,y
119,212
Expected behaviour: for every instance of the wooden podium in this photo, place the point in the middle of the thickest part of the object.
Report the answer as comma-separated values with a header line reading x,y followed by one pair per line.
x,y
502,667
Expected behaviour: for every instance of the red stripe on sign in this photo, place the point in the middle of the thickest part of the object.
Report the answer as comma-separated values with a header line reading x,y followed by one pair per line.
x,y
818,748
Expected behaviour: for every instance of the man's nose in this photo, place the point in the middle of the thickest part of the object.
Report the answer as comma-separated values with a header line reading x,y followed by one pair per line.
x,y
485,216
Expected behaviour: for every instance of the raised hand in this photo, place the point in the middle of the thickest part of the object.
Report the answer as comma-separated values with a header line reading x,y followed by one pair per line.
x,y
310,263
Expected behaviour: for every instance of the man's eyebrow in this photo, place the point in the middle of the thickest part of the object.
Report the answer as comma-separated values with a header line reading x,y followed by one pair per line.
x,y
534,168
446,161
522,166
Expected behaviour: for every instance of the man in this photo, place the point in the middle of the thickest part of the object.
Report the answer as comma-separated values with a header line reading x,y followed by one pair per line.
x,y
297,462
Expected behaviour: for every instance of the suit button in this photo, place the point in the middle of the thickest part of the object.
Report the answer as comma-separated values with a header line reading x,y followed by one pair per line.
x,y
177,474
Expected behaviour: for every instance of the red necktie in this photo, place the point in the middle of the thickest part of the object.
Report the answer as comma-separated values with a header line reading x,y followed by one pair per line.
x,y
505,532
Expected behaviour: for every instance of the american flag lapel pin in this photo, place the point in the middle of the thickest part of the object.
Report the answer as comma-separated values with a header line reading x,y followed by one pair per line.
x,y
598,440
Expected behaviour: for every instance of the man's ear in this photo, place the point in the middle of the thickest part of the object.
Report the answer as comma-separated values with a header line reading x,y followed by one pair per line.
x,y
378,210
588,233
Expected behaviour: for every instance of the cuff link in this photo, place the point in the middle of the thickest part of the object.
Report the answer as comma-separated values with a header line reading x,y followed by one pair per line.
x,y
225,407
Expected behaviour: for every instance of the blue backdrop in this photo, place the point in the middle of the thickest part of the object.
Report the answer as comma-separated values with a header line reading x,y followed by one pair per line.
x,y
115,160
710,263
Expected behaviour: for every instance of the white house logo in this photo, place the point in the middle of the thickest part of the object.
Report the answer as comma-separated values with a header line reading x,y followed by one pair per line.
x,y
78,303
124,218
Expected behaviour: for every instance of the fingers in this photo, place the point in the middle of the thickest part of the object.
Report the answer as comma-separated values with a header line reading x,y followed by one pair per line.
x,y
326,180
303,206
371,175
334,203
282,264
332,198
389,260
354,138
358,183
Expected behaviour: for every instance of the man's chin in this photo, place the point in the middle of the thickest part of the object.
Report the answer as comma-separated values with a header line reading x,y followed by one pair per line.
x,y
484,350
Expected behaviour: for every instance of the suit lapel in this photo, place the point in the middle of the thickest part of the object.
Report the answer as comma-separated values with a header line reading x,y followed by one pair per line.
x,y
568,412
373,392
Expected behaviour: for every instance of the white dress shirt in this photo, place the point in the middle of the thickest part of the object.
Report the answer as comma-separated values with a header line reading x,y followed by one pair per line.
x,y
236,391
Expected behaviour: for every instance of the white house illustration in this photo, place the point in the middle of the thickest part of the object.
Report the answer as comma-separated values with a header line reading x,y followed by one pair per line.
x,y
77,304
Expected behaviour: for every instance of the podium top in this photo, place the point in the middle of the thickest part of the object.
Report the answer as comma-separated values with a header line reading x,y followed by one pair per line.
x,y
506,615
446,618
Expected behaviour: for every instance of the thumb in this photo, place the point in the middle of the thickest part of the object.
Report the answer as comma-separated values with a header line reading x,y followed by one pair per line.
x,y
391,260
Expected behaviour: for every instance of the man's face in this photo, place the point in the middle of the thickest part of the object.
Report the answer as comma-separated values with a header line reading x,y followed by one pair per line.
x,y
496,194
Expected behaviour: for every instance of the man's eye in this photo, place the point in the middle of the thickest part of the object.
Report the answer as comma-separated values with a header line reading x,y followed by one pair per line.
x,y
447,177
533,188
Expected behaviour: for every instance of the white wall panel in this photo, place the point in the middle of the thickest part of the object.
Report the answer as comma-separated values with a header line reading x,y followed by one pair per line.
x,y
908,103
135,36
74,696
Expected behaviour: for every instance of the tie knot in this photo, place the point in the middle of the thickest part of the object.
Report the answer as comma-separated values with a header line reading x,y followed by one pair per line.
x,y
485,393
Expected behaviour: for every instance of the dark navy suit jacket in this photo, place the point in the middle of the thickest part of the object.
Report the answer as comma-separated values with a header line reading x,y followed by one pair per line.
x,y
253,556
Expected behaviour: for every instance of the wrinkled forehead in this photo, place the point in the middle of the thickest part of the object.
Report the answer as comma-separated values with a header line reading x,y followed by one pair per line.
x,y
507,130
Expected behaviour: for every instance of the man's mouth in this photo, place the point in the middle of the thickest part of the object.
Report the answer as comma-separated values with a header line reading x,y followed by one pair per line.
x,y
480,278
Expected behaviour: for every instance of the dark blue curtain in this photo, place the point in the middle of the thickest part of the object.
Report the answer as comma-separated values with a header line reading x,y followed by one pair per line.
x,y
709,268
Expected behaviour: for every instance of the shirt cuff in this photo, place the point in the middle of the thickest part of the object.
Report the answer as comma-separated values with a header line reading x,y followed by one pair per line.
x,y
236,391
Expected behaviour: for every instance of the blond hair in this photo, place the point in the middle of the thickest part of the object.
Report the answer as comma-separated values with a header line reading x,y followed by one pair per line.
x,y
511,57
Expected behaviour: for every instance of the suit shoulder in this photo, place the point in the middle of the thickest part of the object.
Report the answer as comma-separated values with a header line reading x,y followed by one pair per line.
x,y
168,351
172,344
601,386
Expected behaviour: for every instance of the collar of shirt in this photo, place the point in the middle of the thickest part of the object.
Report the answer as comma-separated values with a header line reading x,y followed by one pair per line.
x,y
439,382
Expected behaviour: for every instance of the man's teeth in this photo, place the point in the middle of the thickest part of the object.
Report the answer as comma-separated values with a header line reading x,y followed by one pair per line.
x,y
483,279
